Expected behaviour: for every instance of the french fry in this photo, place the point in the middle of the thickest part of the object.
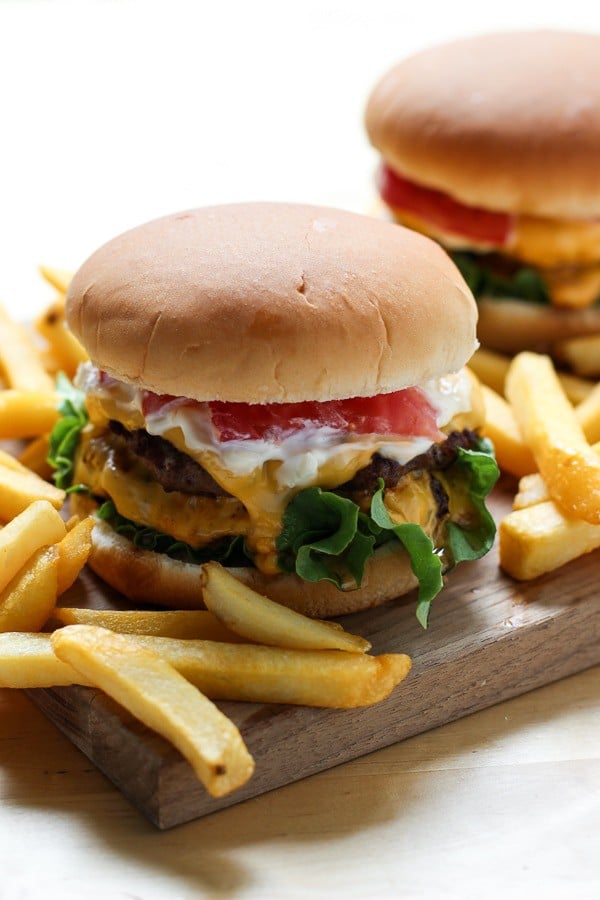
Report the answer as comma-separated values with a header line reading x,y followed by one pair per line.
x,y
533,489
582,354
588,415
259,619
37,526
575,388
19,358
160,697
58,278
512,453
259,674
27,600
549,426
175,623
27,660
73,551
491,368
25,414
19,488
35,457
66,351
539,539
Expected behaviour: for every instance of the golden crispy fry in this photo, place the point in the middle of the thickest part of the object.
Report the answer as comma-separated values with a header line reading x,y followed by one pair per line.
x,y
548,424
575,388
35,457
58,278
175,623
19,358
540,538
582,354
20,488
73,551
65,350
512,453
28,661
330,678
259,619
532,490
37,526
160,697
588,415
491,368
25,414
27,600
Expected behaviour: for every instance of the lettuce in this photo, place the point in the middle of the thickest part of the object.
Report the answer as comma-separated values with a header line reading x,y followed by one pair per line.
x,y
326,537
64,437
524,283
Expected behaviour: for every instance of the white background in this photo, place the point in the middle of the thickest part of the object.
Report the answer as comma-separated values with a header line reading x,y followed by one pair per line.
x,y
113,112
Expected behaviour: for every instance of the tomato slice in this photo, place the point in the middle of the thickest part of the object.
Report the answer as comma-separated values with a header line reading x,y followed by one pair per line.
x,y
404,413
443,211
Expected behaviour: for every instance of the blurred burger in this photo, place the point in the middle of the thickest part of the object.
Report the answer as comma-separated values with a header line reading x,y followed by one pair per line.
x,y
280,388
491,145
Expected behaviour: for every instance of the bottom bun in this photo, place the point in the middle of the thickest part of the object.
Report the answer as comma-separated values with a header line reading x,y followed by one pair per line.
x,y
155,578
511,326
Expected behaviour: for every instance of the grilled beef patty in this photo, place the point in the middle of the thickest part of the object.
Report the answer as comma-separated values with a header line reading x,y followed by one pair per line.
x,y
439,456
176,471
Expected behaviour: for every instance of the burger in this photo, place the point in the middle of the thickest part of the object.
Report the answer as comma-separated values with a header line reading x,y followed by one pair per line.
x,y
491,145
280,388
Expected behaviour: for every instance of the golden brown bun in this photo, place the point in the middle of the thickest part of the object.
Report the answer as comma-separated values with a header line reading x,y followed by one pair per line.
x,y
510,326
272,302
509,122
147,577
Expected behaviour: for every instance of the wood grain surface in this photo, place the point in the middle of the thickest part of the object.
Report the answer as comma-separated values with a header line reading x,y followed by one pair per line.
x,y
489,639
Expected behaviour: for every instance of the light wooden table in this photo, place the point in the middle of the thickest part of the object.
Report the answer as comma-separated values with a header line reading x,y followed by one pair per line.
x,y
115,113
504,801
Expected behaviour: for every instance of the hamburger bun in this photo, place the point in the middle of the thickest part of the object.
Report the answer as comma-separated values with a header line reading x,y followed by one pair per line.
x,y
263,302
507,122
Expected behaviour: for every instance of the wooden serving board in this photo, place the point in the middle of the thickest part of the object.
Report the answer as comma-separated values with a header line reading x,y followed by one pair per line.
x,y
489,639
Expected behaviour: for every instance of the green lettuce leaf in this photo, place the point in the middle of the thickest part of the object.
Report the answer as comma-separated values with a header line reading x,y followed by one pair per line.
x,y
424,561
326,537
524,284
64,437
478,468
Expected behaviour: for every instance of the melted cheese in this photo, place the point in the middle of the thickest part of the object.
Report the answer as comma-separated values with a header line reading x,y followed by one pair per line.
x,y
548,243
261,476
567,253
197,520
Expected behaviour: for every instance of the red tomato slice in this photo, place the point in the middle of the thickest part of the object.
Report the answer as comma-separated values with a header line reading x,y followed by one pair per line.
x,y
404,413
442,211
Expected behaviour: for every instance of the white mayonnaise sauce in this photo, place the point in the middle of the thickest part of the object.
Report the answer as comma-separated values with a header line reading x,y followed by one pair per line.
x,y
302,453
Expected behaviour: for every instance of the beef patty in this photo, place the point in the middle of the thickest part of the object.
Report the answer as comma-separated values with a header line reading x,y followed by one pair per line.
x,y
176,471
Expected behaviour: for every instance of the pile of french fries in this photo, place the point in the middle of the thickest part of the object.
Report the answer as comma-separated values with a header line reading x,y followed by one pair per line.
x,y
545,427
165,667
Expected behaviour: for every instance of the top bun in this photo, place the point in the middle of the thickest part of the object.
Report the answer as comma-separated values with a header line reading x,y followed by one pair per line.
x,y
509,122
264,302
